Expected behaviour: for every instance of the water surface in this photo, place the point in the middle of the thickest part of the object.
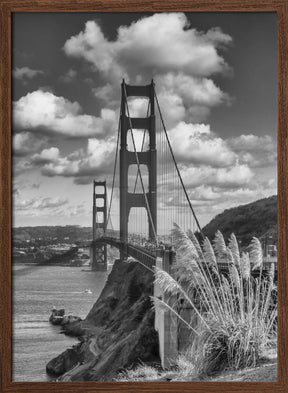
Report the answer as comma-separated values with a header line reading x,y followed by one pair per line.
x,y
35,291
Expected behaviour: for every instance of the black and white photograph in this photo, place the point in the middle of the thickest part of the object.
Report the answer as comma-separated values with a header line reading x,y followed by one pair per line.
x,y
144,200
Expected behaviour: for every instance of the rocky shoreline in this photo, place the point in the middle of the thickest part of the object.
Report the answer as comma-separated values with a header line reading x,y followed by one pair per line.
x,y
117,333
58,317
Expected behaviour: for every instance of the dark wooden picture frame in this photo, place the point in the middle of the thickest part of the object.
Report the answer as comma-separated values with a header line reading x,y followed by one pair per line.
x,y
7,8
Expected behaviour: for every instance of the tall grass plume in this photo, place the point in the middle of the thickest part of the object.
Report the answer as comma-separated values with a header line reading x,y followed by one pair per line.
x,y
238,313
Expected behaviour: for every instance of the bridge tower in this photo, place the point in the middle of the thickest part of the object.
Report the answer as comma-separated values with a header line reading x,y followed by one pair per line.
x,y
99,251
127,158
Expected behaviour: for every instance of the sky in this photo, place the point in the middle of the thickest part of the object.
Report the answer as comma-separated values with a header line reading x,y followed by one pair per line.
x,y
216,80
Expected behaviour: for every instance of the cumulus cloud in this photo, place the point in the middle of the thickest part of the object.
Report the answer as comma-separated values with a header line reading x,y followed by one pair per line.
x,y
42,111
193,90
250,142
46,156
96,160
208,186
180,58
174,46
196,144
236,176
24,73
26,143
204,193
138,107
239,175
189,98
257,151
213,199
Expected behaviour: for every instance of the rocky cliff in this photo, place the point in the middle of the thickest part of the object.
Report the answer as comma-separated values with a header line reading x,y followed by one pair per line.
x,y
117,333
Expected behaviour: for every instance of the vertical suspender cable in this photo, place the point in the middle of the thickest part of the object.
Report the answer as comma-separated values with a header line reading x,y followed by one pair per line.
x,y
176,166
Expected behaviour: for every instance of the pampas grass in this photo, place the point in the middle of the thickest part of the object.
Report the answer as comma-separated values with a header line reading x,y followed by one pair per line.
x,y
238,316
140,373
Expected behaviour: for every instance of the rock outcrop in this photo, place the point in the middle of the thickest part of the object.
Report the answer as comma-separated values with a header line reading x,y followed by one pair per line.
x,y
64,362
58,317
119,330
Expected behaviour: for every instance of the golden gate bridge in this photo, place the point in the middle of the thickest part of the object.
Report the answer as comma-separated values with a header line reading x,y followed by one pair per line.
x,y
148,194
147,190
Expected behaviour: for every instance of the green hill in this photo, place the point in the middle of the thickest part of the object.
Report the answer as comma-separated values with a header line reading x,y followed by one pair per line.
x,y
255,219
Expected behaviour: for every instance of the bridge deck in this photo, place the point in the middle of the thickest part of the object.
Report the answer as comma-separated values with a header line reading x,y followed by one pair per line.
x,y
147,255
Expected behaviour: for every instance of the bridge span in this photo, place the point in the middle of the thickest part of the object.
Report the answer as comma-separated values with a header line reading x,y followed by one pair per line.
x,y
150,198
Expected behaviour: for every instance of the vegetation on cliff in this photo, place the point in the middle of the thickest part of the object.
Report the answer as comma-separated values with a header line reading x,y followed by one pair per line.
x,y
235,325
235,314
255,219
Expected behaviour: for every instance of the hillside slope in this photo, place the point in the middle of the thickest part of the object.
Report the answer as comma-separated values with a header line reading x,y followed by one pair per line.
x,y
255,219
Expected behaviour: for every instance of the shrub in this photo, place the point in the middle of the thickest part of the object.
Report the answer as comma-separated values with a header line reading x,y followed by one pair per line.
x,y
142,372
236,312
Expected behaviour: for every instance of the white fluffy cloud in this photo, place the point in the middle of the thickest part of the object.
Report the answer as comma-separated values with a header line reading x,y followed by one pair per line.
x,y
180,58
44,112
236,176
46,156
257,151
196,144
174,46
209,186
212,190
189,98
218,172
26,143
250,142
193,90
96,160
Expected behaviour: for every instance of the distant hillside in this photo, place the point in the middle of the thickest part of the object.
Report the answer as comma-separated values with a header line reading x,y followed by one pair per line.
x,y
255,219
71,233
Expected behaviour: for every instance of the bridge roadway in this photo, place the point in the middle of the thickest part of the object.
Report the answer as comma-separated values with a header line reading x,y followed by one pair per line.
x,y
146,253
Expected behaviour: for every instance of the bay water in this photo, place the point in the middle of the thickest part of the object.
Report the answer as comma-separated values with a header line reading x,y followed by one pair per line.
x,y
35,290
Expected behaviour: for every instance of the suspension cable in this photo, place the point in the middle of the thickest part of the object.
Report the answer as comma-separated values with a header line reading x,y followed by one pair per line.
x,y
176,166
138,166
114,176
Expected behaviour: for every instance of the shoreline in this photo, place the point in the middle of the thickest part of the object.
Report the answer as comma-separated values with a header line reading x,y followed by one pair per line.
x,y
36,290
117,332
